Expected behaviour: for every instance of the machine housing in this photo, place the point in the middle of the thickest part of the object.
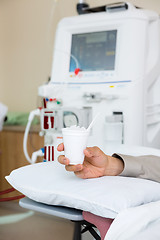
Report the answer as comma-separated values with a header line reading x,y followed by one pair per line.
x,y
116,56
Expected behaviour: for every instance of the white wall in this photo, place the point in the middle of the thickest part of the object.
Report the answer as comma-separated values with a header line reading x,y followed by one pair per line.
x,y
27,29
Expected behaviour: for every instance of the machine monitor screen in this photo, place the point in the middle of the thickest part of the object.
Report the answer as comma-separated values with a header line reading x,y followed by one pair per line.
x,y
93,51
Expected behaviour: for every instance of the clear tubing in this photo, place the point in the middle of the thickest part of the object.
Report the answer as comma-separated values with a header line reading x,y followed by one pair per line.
x,y
25,141
37,154
81,1
50,23
59,89
30,119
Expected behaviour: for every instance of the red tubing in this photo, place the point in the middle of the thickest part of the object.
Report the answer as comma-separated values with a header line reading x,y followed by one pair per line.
x,y
10,198
7,191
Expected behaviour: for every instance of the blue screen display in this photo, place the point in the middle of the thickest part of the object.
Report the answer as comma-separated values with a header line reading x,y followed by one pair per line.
x,y
93,51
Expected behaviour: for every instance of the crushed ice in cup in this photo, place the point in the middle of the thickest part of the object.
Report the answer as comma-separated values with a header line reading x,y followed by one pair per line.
x,y
74,127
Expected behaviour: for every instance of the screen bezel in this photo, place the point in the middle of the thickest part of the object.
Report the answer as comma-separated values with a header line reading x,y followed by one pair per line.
x,y
91,76
62,49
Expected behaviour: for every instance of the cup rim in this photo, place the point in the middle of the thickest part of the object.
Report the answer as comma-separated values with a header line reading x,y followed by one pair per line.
x,y
74,132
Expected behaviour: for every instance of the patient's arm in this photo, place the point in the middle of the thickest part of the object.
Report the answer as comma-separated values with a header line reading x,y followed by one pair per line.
x,y
147,167
96,164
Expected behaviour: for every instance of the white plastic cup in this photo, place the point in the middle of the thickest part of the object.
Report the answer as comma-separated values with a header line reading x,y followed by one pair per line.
x,y
75,141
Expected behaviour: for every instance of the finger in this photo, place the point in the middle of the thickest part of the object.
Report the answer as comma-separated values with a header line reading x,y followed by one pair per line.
x,y
92,152
60,147
74,168
63,160
88,152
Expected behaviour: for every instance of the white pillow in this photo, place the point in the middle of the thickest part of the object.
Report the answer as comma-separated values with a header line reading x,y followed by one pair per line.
x,y
50,183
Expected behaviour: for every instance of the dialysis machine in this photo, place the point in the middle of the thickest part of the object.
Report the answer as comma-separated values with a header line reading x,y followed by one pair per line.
x,y
107,62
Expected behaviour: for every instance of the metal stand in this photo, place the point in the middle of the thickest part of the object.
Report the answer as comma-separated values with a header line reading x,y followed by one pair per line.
x,y
78,231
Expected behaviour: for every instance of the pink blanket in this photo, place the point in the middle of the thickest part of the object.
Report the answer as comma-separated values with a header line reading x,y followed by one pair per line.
x,y
101,223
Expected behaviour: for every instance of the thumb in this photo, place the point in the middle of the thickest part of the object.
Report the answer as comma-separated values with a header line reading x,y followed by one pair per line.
x,y
60,147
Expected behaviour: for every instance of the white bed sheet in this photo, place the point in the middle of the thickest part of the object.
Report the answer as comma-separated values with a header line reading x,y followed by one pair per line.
x,y
140,223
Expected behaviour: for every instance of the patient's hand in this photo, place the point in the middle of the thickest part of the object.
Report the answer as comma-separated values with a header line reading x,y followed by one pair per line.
x,y
96,164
